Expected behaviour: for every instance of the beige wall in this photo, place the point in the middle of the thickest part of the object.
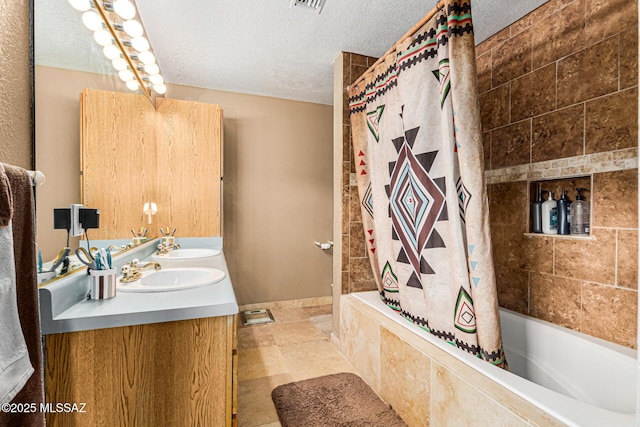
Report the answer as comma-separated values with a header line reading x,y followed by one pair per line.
x,y
15,84
277,184
58,146
277,194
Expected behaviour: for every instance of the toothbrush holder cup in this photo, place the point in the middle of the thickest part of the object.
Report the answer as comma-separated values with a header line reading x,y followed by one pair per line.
x,y
102,284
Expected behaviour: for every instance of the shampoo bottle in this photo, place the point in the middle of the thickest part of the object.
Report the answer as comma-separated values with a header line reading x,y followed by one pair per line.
x,y
564,212
536,213
580,214
550,215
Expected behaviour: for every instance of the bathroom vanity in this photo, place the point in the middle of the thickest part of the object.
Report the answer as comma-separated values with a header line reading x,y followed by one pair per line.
x,y
146,358
142,358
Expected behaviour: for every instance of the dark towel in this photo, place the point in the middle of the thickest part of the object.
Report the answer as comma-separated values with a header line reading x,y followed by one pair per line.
x,y
6,201
24,248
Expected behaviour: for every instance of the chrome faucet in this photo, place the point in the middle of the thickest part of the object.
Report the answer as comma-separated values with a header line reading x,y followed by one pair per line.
x,y
132,271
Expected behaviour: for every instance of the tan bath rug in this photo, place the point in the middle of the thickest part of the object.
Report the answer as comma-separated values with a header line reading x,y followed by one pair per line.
x,y
333,400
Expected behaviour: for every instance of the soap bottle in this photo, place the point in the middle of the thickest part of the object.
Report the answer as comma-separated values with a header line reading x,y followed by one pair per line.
x,y
536,213
564,213
580,214
550,215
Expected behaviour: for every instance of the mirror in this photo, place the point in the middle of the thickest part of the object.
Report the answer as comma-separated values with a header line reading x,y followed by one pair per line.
x,y
57,121
187,195
57,91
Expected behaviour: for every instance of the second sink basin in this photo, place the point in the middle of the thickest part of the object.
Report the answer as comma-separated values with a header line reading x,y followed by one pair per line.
x,y
196,257
186,254
174,279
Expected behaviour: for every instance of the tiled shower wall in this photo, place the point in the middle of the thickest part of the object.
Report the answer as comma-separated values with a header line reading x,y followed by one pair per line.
x,y
356,269
558,97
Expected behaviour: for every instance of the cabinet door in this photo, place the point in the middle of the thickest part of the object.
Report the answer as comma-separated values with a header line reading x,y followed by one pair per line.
x,y
117,160
189,139
160,374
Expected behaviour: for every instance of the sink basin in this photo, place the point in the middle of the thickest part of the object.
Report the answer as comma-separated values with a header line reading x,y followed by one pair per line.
x,y
173,279
186,254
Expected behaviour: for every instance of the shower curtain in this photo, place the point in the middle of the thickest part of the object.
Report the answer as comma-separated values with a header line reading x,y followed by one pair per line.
x,y
418,155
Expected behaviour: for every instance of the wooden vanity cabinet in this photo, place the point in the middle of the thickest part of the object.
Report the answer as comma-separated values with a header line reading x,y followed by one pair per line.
x,y
181,373
189,167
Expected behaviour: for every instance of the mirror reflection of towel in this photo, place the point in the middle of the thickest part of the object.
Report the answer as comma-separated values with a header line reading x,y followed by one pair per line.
x,y
23,260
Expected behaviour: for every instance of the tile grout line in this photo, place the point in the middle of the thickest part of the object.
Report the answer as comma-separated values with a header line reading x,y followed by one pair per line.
x,y
584,129
615,268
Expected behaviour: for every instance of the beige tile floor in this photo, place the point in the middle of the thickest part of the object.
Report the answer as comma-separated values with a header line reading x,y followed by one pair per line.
x,y
296,346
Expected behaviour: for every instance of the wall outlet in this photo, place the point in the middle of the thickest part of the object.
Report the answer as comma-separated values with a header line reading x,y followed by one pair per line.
x,y
76,226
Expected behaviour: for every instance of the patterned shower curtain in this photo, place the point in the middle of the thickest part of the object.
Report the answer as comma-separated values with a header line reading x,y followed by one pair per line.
x,y
419,164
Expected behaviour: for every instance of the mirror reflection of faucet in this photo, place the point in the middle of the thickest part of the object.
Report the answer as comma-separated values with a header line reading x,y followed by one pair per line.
x,y
140,236
167,242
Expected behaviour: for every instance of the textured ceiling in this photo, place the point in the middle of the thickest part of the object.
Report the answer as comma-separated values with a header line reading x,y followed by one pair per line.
x,y
260,47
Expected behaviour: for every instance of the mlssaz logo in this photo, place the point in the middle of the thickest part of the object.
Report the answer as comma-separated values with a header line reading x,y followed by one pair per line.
x,y
65,407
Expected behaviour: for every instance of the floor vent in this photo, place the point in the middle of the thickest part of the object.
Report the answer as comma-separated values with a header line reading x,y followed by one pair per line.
x,y
256,317
310,4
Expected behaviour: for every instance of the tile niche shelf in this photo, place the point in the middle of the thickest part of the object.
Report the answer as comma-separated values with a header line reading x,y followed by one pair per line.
x,y
556,186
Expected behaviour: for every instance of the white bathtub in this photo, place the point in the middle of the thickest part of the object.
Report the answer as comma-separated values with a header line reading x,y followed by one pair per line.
x,y
578,379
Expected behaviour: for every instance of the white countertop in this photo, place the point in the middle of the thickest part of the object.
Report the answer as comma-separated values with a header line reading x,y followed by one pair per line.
x,y
64,307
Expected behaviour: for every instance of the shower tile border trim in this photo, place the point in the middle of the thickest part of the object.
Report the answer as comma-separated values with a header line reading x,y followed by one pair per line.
x,y
609,161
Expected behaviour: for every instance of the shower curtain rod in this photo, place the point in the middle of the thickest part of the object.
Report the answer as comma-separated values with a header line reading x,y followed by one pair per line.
x,y
409,33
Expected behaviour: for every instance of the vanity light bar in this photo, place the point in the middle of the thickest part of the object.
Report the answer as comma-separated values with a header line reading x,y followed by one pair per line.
x,y
124,42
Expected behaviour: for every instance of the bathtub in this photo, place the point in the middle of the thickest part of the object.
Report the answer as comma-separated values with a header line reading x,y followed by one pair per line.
x,y
575,378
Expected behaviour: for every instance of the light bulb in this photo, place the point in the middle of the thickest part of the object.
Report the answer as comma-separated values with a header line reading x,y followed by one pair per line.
x,y
156,79
92,20
126,75
151,69
133,85
140,44
147,58
160,89
119,64
111,51
124,8
133,28
102,37
81,5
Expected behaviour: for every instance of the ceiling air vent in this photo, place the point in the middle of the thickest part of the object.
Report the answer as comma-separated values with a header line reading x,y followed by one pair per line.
x,y
308,4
